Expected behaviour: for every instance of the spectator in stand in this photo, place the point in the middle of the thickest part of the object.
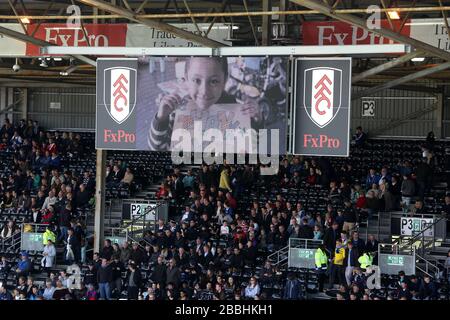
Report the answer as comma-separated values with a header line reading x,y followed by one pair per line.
x,y
128,178
350,261
372,178
408,191
337,264
83,197
253,289
49,290
117,269
89,182
189,181
50,200
360,137
49,255
72,251
24,266
8,230
385,177
424,177
350,217
104,279
305,230
224,183
107,250
134,281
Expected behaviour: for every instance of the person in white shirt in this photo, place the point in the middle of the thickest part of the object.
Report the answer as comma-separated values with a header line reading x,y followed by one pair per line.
x,y
224,229
49,255
50,200
253,289
49,290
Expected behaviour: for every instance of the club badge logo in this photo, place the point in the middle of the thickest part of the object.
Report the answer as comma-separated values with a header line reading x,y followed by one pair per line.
x,y
322,94
119,92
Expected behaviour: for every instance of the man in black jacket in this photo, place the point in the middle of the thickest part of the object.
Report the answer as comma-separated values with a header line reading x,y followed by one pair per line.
x,y
350,261
104,278
134,281
372,246
250,254
107,250
330,237
305,231
117,269
137,256
73,244
159,272
350,217
173,274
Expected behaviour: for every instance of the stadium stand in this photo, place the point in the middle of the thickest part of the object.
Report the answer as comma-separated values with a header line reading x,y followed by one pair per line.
x,y
227,226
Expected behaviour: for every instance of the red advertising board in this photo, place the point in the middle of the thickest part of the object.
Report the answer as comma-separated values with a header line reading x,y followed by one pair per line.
x,y
341,33
98,35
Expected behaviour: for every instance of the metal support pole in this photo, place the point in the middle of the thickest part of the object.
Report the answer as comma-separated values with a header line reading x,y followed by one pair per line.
x,y
10,97
266,23
24,103
439,115
2,102
100,186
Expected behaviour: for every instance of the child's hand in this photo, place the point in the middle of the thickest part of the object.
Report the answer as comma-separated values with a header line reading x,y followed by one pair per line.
x,y
252,109
167,104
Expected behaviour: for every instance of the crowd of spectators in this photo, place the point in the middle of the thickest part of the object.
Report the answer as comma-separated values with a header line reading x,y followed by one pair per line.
x,y
216,244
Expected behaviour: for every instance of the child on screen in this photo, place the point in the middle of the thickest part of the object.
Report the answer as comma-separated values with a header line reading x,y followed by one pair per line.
x,y
205,79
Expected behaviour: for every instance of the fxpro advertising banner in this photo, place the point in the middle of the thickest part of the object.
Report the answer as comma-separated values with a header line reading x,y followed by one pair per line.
x,y
193,104
116,102
321,119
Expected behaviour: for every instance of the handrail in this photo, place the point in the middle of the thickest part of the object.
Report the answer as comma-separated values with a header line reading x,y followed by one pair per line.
x,y
138,242
428,264
277,254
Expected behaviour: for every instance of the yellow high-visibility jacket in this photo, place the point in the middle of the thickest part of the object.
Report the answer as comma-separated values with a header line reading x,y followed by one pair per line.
x,y
321,258
339,256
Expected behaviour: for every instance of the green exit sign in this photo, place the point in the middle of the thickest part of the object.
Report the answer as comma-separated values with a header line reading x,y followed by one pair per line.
x,y
36,237
305,253
395,261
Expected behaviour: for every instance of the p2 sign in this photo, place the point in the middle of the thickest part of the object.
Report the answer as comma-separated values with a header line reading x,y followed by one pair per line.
x,y
321,125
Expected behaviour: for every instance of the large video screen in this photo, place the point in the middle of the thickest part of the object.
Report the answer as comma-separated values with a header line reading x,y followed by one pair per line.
x,y
188,103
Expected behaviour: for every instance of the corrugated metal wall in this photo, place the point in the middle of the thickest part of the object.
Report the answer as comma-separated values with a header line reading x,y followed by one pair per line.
x,y
446,117
396,104
78,110
77,107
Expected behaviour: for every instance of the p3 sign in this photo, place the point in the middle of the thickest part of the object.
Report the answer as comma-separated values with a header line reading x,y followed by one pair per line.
x,y
414,226
368,108
321,107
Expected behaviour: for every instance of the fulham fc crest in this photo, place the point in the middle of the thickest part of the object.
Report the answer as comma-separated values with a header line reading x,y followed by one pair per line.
x,y
119,92
322,94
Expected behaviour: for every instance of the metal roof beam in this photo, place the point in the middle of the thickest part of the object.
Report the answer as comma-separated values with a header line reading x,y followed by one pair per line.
x,y
402,80
41,43
130,15
351,19
385,66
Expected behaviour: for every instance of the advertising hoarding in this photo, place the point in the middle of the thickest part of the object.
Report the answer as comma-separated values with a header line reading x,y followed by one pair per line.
x,y
321,107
